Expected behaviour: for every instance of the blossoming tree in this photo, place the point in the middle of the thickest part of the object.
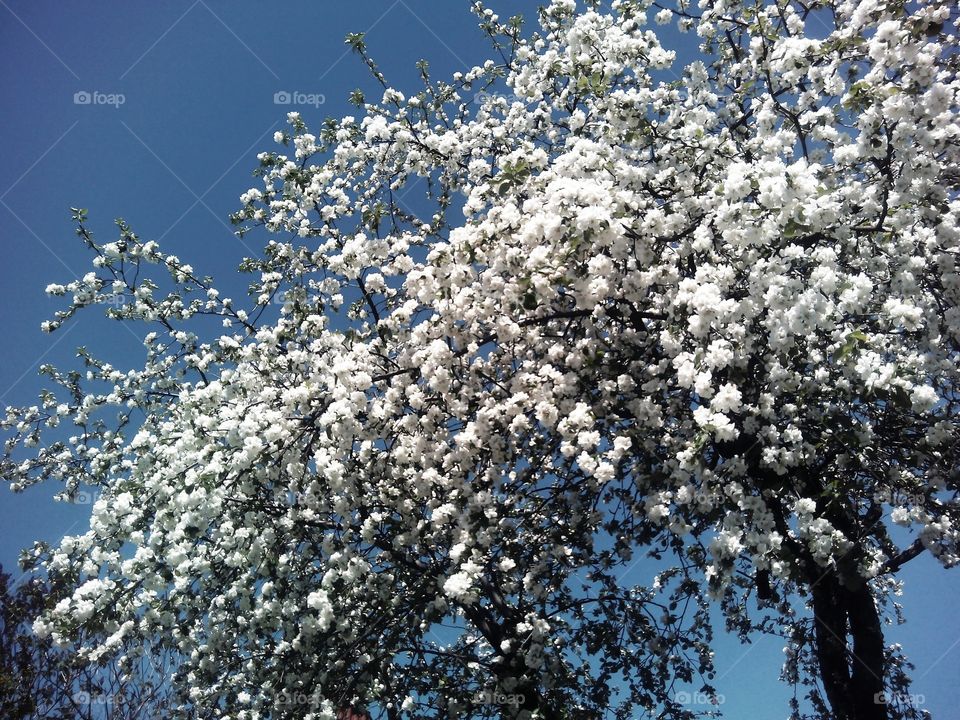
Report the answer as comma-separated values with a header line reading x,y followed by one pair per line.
x,y
708,316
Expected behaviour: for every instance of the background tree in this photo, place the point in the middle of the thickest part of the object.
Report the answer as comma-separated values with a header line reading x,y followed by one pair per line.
x,y
42,681
711,320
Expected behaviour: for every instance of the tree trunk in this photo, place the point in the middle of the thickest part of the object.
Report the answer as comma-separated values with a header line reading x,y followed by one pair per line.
x,y
852,677
866,679
830,633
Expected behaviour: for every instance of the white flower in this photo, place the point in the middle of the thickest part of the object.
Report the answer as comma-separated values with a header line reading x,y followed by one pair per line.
x,y
923,398
805,506
458,586
726,399
658,512
664,16
320,601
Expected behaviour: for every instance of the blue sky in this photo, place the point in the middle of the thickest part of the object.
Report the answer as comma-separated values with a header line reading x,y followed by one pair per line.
x,y
198,80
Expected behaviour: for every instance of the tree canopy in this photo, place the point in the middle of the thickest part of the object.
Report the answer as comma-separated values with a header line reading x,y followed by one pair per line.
x,y
516,330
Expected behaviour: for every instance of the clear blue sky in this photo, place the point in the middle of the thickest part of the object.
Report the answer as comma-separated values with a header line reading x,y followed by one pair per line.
x,y
198,80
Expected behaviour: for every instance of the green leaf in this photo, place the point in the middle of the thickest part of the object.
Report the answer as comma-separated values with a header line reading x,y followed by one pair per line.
x,y
356,41
530,300
853,342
